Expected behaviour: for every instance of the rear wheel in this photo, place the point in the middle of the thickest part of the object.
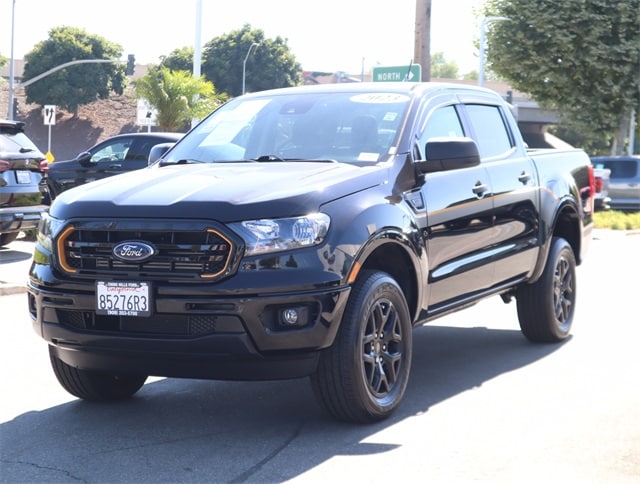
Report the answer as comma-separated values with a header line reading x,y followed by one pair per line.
x,y
95,386
546,308
362,377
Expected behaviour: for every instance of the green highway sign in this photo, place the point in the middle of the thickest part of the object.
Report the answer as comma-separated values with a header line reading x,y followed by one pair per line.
x,y
406,73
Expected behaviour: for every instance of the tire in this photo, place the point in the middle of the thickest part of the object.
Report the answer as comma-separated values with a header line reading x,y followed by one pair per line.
x,y
546,308
362,377
6,239
95,386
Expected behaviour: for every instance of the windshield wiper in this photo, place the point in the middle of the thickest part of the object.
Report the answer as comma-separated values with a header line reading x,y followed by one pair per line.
x,y
262,158
181,162
277,158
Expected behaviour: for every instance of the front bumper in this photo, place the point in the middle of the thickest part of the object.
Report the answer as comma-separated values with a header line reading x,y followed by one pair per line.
x,y
236,337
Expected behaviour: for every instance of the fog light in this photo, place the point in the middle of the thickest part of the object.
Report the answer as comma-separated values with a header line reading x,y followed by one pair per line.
x,y
289,316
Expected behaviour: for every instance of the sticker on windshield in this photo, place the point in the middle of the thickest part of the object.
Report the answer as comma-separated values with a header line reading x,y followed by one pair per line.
x,y
379,98
370,157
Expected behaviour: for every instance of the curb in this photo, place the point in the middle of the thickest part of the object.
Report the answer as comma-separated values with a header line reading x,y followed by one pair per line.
x,y
7,289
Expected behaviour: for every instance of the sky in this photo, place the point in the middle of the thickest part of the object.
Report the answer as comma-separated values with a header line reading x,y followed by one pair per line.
x,y
323,35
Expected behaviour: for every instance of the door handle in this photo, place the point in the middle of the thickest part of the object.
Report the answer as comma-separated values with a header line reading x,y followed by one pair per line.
x,y
480,189
524,177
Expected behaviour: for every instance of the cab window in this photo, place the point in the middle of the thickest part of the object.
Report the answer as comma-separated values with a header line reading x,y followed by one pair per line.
x,y
443,122
491,133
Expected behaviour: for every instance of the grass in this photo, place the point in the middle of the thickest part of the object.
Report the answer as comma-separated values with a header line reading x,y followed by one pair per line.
x,y
612,219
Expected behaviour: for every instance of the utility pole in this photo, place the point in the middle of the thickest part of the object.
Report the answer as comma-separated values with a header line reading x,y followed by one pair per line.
x,y
422,49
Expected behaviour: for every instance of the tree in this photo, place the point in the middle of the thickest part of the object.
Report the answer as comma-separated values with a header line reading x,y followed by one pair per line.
x,y
178,96
580,57
441,68
179,60
74,85
269,65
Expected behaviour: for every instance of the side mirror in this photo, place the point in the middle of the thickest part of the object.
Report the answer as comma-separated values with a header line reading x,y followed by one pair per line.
x,y
84,158
157,151
444,154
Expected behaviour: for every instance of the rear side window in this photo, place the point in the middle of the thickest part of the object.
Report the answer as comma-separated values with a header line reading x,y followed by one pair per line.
x,y
140,149
491,133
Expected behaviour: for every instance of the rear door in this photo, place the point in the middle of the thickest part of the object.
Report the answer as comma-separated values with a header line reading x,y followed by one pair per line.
x,y
458,206
514,235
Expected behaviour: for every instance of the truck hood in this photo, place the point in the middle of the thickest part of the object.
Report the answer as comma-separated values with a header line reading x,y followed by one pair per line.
x,y
223,191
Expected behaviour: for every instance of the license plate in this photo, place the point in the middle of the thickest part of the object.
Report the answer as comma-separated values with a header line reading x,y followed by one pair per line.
x,y
124,298
23,176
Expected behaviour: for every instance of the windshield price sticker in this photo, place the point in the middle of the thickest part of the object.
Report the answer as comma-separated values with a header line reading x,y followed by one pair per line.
x,y
123,298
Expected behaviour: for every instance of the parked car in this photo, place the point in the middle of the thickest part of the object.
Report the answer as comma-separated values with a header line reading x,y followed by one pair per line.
x,y
602,178
624,181
115,155
22,167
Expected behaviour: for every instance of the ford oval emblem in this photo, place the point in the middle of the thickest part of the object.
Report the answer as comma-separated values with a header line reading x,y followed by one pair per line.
x,y
133,251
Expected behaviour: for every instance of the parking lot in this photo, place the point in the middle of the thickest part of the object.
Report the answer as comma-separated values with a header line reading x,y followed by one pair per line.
x,y
483,405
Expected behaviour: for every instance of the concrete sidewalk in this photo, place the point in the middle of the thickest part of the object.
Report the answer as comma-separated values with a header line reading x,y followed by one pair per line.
x,y
15,260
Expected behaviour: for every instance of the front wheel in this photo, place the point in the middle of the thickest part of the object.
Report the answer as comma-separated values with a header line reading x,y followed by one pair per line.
x,y
546,308
362,377
92,385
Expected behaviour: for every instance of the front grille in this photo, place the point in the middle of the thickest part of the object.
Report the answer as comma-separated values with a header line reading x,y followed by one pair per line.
x,y
181,254
193,325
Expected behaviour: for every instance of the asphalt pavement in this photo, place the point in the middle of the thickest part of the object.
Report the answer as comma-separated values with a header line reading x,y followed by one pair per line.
x,y
483,405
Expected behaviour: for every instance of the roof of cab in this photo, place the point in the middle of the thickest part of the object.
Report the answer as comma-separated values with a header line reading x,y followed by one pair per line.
x,y
409,88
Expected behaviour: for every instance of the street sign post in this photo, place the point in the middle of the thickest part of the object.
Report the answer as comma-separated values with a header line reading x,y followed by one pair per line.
x,y
49,114
146,115
408,73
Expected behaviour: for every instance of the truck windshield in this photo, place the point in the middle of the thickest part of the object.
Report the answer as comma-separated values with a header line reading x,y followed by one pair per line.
x,y
314,126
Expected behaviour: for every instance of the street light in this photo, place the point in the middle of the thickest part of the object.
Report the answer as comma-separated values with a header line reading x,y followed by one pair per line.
x,y
12,64
483,33
244,63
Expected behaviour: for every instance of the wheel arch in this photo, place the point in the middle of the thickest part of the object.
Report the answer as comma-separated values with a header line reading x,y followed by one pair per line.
x,y
566,223
392,252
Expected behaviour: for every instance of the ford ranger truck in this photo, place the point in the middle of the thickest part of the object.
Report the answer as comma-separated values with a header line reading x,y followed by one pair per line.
x,y
304,232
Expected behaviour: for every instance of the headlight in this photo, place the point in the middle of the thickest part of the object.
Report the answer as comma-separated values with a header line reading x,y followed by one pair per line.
x,y
274,235
48,228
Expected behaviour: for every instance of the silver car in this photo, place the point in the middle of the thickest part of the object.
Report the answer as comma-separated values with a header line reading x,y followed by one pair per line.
x,y
624,181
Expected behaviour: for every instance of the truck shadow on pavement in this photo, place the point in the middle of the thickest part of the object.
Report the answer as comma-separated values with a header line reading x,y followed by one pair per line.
x,y
196,431
16,252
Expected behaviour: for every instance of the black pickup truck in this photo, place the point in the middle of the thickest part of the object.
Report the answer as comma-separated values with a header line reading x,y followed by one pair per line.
x,y
304,232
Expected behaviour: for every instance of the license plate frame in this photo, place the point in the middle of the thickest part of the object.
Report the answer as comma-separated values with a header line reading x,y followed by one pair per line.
x,y
123,298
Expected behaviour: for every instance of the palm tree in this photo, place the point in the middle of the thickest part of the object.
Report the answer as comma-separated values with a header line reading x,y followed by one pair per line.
x,y
178,96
